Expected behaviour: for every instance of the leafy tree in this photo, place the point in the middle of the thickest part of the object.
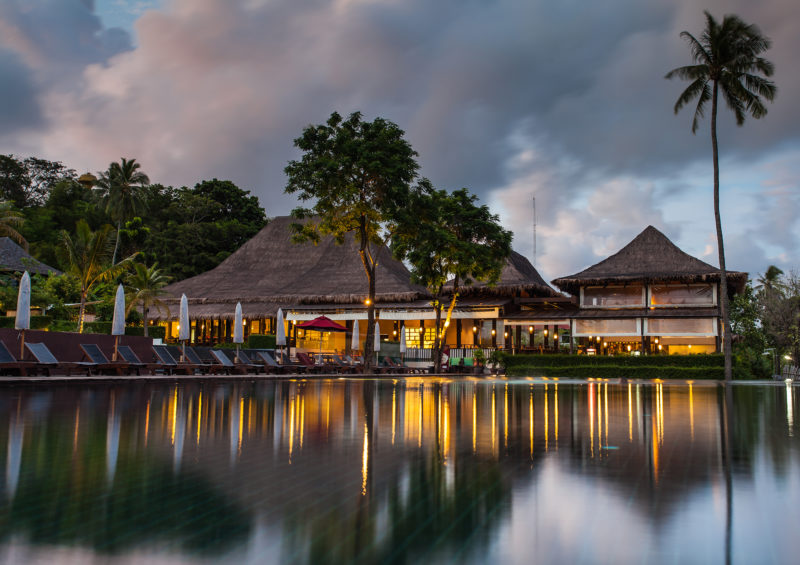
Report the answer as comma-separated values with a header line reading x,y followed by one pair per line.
x,y
146,286
10,220
449,237
28,182
120,188
87,254
359,175
770,281
727,58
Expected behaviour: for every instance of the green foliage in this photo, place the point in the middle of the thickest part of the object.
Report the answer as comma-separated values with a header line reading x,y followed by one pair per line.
x,y
27,182
98,327
261,341
64,326
156,332
37,322
565,360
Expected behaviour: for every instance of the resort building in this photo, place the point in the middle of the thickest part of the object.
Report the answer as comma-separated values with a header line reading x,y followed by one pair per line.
x,y
649,297
306,281
14,259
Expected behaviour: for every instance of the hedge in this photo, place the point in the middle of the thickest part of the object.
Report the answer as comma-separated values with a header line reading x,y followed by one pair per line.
x,y
158,332
618,371
37,322
689,361
261,341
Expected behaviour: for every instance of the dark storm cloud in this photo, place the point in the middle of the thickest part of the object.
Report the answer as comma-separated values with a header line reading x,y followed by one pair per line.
x,y
507,98
17,96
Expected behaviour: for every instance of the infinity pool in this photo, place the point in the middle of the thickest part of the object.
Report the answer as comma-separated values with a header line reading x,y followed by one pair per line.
x,y
400,471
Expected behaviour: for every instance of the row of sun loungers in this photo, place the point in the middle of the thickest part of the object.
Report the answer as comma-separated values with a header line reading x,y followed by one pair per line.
x,y
169,360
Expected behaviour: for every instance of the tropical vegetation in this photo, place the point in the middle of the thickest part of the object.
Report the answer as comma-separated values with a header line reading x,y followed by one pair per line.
x,y
727,60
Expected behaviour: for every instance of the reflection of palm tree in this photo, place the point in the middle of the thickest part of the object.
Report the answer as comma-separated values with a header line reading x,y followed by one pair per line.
x,y
146,284
10,220
85,255
727,59
121,188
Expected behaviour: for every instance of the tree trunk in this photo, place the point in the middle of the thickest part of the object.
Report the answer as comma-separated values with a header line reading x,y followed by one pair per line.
x,y
369,269
81,311
144,320
437,341
116,244
723,300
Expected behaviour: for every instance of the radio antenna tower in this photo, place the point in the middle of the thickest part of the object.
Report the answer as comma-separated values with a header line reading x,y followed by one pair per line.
x,y
534,231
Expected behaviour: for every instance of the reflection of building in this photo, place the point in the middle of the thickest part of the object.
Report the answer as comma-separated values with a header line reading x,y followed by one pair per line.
x,y
649,296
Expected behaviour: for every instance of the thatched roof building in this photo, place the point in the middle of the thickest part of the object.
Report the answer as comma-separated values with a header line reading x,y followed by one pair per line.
x,y
518,276
270,271
15,258
650,258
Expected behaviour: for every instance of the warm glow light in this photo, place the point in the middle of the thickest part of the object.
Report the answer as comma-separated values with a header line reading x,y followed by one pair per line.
x,y
659,347
493,332
690,346
394,332
590,337
530,329
605,344
629,348
474,329
367,302
656,340
505,334
545,332
598,339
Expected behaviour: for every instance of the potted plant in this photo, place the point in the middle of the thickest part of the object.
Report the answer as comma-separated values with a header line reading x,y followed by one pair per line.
x,y
480,360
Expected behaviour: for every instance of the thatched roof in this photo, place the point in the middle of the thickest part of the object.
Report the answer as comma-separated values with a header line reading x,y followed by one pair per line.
x,y
518,275
15,258
651,257
271,271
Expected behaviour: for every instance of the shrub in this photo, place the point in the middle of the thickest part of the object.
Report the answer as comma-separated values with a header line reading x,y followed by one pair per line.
x,y
261,341
157,332
612,371
37,322
97,328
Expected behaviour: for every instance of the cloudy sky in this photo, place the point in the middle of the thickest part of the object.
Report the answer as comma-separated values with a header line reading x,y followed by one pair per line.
x,y
514,99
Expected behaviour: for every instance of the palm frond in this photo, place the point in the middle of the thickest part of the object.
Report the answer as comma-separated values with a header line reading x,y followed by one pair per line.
x,y
705,96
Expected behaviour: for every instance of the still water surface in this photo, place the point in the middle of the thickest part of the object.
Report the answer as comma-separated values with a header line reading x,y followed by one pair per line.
x,y
405,471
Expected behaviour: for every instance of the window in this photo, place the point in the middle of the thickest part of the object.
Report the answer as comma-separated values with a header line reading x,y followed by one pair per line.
x,y
606,327
681,326
682,295
417,338
612,296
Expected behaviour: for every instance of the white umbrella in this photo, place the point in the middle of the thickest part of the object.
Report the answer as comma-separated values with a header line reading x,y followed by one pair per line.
x,y
356,343
23,319
118,321
280,332
402,342
183,323
377,337
238,331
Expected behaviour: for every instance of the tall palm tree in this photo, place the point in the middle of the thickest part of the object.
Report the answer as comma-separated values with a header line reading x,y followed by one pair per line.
x,y
86,255
771,280
10,220
146,284
727,58
121,188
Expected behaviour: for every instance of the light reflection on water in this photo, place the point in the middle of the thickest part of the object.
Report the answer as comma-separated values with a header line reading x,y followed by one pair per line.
x,y
400,471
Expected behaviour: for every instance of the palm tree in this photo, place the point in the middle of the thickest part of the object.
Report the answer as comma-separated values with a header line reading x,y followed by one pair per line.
x,y
10,220
121,191
771,280
86,255
147,284
727,59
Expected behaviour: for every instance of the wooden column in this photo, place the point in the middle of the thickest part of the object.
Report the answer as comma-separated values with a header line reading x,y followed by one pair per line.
x,y
458,333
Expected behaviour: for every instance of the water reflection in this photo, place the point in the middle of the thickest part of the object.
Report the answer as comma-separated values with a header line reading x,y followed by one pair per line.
x,y
397,471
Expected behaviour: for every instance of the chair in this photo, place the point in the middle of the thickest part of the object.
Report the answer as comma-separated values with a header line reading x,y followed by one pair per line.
x,y
342,365
45,358
269,362
9,363
226,361
130,357
193,358
93,352
241,358
308,363
170,363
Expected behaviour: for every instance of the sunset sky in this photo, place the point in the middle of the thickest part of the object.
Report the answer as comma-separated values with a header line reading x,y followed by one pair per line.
x,y
565,101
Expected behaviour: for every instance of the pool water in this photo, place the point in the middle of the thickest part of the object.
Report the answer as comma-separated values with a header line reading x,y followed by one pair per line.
x,y
414,470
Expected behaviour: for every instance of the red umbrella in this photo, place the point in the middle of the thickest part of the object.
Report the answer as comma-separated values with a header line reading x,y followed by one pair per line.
x,y
322,324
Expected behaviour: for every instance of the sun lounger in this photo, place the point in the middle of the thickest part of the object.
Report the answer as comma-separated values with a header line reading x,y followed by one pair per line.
x,y
312,367
240,358
102,364
194,358
130,357
44,357
270,364
227,362
170,363
9,363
